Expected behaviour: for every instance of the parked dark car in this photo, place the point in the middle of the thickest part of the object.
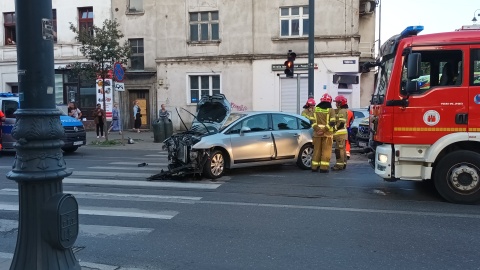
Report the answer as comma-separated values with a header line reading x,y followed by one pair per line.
x,y
363,134
358,115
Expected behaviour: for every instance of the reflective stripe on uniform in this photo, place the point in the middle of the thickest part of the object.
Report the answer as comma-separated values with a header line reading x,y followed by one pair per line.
x,y
324,163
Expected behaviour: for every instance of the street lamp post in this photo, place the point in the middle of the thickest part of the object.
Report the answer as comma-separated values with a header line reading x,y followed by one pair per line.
x,y
475,14
48,218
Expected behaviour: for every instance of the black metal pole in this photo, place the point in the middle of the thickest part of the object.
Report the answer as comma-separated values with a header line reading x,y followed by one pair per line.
x,y
311,47
48,219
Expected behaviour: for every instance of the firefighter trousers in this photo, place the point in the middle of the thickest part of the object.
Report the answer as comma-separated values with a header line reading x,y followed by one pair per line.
x,y
340,152
322,152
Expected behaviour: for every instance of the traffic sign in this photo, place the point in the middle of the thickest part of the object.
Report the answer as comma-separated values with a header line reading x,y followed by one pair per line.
x,y
119,72
119,86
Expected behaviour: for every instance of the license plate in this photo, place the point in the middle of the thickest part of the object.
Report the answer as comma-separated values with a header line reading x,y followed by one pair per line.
x,y
78,143
362,144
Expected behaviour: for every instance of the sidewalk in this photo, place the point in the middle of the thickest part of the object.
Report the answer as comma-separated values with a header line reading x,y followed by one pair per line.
x,y
142,141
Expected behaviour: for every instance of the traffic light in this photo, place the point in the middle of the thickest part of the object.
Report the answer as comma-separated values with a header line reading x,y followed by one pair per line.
x,y
289,64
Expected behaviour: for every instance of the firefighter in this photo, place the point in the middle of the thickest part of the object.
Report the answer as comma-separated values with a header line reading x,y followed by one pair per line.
x,y
323,134
349,123
309,110
2,119
340,136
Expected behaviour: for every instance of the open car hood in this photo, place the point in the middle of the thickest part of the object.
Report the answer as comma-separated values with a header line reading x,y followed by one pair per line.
x,y
212,113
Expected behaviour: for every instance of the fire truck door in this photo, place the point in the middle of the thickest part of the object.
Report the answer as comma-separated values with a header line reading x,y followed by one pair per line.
x,y
472,79
442,104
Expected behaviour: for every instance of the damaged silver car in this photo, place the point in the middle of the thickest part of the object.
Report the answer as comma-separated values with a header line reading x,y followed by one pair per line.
x,y
220,139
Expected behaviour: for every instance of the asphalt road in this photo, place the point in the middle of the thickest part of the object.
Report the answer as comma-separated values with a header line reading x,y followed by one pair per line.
x,y
276,217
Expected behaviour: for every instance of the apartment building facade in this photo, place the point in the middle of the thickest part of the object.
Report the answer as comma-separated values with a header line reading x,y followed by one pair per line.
x,y
68,88
194,47
184,49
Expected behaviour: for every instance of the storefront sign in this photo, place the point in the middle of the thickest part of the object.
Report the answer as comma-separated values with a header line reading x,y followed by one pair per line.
x,y
108,96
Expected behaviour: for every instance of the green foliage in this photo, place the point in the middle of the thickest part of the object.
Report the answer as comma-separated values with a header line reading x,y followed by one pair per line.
x,y
100,45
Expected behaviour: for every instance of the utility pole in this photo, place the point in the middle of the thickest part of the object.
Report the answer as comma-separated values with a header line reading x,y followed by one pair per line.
x,y
311,46
48,218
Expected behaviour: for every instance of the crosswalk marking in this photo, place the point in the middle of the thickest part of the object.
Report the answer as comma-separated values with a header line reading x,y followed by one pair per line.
x,y
105,211
112,174
155,155
115,196
147,168
88,230
103,182
136,163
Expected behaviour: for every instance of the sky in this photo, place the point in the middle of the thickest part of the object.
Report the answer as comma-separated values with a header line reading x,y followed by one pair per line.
x,y
435,15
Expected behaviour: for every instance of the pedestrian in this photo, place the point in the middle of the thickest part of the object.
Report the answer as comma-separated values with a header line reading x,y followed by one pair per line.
x,y
323,134
309,110
163,114
349,123
116,124
137,116
2,119
340,136
73,111
99,118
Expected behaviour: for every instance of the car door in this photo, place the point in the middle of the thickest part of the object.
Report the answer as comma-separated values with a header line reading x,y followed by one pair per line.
x,y
251,140
285,136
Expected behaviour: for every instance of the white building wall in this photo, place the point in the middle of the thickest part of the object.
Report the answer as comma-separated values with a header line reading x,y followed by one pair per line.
x,y
266,83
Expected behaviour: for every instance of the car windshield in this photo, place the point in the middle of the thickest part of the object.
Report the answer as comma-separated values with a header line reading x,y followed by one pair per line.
x,y
63,109
232,118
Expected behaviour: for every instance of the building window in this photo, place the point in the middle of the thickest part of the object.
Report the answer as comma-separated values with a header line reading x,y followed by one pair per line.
x,y
9,25
204,26
294,21
137,56
201,85
85,19
135,6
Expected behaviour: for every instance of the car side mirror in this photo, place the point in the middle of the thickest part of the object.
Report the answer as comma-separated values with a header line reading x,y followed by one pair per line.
x,y
244,129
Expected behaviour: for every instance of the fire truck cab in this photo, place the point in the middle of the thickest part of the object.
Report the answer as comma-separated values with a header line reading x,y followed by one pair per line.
x,y
425,111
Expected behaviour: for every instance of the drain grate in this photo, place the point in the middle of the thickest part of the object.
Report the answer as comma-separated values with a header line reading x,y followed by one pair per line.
x,y
77,249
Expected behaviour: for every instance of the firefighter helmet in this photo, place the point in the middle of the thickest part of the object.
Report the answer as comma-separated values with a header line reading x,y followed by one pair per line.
x,y
326,98
310,102
341,99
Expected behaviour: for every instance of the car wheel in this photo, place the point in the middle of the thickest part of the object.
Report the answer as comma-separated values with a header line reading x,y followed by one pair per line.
x,y
457,177
304,160
215,166
70,149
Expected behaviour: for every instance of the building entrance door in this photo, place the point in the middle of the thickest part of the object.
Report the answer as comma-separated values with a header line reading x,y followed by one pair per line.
x,y
142,96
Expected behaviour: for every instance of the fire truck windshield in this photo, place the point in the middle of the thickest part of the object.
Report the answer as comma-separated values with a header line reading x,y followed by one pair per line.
x,y
384,73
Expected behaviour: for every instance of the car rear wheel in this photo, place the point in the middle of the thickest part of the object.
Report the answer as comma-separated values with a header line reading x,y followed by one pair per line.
x,y
215,166
304,160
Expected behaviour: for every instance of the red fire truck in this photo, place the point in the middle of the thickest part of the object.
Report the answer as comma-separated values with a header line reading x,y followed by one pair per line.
x,y
429,131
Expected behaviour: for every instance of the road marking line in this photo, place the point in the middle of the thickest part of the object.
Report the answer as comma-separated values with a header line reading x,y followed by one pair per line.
x,y
345,209
112,174
118,212
115,196
103,182
87,230
9,256
136,163
155,155
147,168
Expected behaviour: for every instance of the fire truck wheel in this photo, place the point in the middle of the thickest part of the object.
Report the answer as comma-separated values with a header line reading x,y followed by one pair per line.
x,y
215,166
457,177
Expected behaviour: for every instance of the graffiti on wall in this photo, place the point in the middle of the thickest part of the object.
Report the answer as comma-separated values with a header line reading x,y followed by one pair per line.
x,y
238,107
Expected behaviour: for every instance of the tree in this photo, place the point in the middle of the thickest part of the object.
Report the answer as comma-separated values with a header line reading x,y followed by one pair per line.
x,y
101,46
